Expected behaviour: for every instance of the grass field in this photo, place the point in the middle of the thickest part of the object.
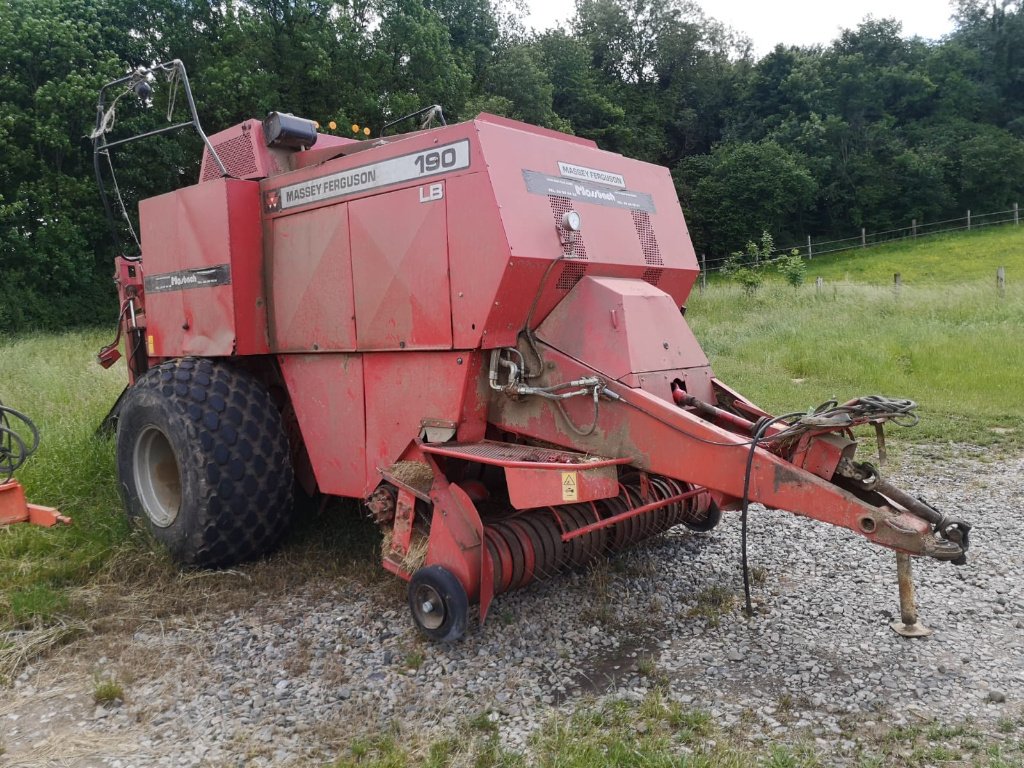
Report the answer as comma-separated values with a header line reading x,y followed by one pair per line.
x,y
56,382
948,340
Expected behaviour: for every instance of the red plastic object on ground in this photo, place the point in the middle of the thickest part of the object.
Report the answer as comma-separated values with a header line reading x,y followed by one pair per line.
x,y
15,509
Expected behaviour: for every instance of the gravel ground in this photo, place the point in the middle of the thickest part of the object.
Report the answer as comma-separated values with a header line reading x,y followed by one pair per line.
x,y
299,674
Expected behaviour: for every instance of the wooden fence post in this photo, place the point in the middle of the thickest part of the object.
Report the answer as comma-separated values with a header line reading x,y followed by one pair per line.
x,y
1016,215
968,219
819,283
1001,280
863,238
913,228
703,273
810,253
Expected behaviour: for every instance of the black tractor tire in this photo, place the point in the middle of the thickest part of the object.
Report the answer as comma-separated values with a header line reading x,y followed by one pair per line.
x,y
203,462
438,603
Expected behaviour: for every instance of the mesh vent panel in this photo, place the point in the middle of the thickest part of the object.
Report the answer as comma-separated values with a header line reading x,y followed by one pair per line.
x,y
652,276
571,274
649,243
236,154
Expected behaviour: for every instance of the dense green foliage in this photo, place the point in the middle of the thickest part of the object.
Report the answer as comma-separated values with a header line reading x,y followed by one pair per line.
x,y
871,130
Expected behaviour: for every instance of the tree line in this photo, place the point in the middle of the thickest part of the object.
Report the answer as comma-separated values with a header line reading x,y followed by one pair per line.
x,y
869,130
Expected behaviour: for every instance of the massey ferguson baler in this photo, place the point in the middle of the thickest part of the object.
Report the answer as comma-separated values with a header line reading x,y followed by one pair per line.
x,y
476,330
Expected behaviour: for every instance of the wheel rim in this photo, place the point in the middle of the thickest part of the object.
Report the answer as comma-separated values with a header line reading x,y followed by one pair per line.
x,y
428,607
157,477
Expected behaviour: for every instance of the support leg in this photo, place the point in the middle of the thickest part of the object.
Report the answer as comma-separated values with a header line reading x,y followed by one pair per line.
x,y
907,625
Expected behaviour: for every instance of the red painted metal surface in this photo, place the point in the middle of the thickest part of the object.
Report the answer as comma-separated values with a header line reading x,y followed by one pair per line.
x,y
309,268
328,397
400,267
203,255
402,389
539,477
631,513
631,327
663,439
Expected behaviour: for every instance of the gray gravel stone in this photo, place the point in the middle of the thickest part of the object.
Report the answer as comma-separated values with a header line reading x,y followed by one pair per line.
x,y
300,673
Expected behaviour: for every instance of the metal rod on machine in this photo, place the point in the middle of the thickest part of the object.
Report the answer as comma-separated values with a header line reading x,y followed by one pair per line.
x,y
908,625
609,521
709,412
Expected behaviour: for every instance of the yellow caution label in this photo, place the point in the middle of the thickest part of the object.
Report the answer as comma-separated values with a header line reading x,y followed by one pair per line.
x,y
569,487
150,344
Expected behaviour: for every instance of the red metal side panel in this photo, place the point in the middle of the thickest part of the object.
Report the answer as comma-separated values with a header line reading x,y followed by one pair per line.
x,y
400,269
402,389
327,394
309,266
202,253
478,254
632,225
619,326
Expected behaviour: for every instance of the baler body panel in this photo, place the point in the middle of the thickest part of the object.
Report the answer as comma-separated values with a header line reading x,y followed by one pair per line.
x,y
401,272
332,417
403,389
470,246
624,328
632,226
309,270
204,271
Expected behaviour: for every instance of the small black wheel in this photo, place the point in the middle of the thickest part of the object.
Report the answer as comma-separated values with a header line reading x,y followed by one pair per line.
x,y
711,519
438,603
203,462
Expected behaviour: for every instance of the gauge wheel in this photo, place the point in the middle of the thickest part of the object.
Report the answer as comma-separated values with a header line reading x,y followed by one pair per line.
x,y
711,518
438,604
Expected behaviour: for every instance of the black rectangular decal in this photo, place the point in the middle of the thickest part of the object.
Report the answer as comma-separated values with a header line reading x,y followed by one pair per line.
x,y
545,184
183,279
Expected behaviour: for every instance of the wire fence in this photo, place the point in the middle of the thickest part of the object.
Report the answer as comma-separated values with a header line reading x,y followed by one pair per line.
x,y
809,248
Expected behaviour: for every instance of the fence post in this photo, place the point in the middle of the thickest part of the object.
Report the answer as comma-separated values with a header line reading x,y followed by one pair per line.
x,y
1016,215
913,228
968,219
863,238
819,283
1001,280
703,273
896,282
810,253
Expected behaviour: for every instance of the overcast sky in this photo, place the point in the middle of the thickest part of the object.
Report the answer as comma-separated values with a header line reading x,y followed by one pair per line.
x,y
792,22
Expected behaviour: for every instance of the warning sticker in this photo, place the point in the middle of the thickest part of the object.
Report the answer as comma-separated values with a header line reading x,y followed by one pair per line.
x,y
569,487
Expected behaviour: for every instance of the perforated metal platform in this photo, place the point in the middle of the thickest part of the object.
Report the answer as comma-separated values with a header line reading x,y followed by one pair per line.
x,y
514,455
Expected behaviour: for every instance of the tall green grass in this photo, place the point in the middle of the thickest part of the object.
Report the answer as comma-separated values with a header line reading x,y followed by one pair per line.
x,y
55,380
957,349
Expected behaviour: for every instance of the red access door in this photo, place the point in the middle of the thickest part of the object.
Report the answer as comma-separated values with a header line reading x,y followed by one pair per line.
x,y
400,269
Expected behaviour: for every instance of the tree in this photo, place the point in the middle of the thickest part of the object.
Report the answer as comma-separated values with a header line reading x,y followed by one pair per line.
x,y
742,189
516,85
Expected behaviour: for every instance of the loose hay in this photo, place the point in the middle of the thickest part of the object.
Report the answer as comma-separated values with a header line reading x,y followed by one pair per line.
x,y
415,474
414,558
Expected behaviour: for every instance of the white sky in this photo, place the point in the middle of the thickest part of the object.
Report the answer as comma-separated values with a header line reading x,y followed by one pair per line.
x,y
792,22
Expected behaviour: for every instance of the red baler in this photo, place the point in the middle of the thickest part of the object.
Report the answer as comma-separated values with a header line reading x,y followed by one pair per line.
x,y
476,329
